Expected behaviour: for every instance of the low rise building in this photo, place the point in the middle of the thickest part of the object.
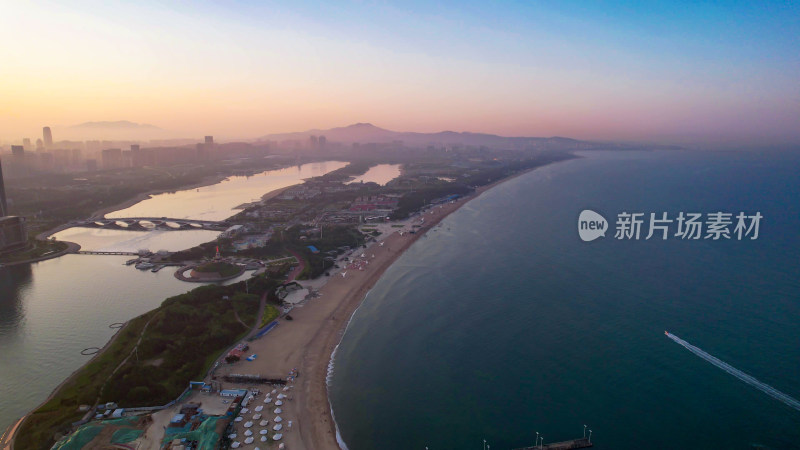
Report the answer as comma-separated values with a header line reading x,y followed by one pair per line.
x,y
374,202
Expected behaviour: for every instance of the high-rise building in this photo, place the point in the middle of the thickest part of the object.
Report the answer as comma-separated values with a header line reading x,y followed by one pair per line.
x,y
3,204
13,234
313,142
18,152
48,137
209,140
26,143
112,158
136,156
39,145
62,158
77,157
46,161
20,163
322,141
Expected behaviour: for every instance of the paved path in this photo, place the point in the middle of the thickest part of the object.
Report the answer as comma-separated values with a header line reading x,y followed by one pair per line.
x,y
301,264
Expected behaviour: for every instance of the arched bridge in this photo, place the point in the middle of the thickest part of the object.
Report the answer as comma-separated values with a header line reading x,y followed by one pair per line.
x,y
152,223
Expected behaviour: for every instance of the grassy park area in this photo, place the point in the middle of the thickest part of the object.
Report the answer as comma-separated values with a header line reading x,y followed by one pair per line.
x,y
222,268
177,343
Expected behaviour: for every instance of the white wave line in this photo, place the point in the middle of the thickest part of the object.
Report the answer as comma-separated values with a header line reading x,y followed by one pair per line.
x,y
763,387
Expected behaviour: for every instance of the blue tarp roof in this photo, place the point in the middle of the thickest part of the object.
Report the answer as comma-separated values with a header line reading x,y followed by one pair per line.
x,y
313,249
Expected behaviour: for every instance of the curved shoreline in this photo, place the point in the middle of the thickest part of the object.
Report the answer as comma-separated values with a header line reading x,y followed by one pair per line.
x,y
10,434
206,181
339,443
71,248
308,342
354,304
316,427
179,274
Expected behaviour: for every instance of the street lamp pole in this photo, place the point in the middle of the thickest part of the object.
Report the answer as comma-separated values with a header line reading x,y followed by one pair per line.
x,y
584,431
590,436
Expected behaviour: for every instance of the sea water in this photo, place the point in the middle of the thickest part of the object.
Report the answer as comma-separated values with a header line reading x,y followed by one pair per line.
x,y
502,323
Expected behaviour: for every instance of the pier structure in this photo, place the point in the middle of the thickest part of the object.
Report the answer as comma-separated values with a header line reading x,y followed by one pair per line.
x,y
563,445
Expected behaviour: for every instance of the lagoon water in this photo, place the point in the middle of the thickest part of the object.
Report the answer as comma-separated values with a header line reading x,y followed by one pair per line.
x,y
100,240
502,322
219,201
50,311
381,174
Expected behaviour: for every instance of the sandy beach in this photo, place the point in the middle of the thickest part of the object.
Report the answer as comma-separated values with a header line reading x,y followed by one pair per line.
x,y
307,341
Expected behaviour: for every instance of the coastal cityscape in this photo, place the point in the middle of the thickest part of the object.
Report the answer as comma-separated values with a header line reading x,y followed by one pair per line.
x,y
249,226
326,236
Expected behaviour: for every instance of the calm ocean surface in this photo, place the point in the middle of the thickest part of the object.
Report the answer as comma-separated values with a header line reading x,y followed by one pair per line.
x,y
503,323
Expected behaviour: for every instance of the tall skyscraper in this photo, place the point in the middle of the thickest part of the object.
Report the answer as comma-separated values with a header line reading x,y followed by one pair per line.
x,y
39,145
209,140
26,143
18,152
48,137
13,234
322,141
112,158
3,204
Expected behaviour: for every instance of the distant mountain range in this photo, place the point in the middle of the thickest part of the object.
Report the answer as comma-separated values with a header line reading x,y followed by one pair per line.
x,y
116,125
368,133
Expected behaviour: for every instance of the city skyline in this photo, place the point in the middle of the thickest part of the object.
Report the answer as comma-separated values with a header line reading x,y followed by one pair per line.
x,y
661,73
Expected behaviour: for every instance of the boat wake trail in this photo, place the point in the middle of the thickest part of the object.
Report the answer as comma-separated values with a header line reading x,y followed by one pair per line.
x,y
763,387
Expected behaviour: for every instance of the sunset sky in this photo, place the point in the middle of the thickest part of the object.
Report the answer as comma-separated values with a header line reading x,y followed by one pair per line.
x,y
647,71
